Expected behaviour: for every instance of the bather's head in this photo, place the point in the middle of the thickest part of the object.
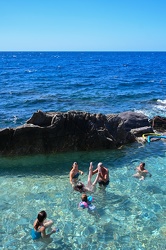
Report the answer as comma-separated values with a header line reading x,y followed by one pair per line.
x,y
79,187
142,165
84,197
42,216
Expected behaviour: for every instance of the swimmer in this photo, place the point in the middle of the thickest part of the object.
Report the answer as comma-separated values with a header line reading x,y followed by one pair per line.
x,y
141,172
74,173
103,179
86,202
90,187
40,225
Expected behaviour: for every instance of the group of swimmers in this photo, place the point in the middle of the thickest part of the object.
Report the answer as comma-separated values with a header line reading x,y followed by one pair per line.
x,y
102,178
41,223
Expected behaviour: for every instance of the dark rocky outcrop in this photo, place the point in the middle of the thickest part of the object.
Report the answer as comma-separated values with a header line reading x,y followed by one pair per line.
x,y
158,123
50,132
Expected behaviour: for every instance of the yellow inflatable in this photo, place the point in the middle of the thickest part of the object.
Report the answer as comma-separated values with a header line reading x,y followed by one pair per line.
x,y
151,134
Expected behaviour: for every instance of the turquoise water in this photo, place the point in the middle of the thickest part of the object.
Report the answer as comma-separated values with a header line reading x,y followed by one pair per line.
x,y
130,214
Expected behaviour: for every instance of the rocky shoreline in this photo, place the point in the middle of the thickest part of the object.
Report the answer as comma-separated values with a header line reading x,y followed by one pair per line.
x,y
53,132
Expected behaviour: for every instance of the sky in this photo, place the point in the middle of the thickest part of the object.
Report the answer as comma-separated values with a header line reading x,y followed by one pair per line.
x,y
82,25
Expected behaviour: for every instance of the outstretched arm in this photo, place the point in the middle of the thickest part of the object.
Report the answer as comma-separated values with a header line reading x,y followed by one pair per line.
x,y
95,171
150,175
81,172
44,235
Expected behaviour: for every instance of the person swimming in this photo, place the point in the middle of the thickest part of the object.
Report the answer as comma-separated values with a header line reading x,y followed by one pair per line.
x,y
141,171
89,187
74,173
86,202
40,225
103,179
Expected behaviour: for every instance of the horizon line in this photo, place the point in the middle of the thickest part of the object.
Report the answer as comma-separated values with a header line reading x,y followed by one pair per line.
x,y
82,51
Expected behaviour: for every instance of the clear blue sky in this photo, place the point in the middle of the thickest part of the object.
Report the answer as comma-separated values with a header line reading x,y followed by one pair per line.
x,y
82,25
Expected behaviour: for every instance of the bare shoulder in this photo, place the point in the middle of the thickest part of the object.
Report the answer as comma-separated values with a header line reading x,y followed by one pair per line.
x,y
35,222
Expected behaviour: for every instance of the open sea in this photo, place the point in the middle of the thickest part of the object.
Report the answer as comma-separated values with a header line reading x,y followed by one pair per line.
x,y
130,214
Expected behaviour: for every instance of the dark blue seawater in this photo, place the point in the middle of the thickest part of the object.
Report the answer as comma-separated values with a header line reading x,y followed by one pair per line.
x,y
96,82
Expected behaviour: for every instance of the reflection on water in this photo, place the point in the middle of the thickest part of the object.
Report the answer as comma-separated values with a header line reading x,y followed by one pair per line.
x,y
129,214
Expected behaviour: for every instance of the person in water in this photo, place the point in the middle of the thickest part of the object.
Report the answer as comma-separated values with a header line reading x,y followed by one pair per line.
x,y
141,172
74,174
89,187
40,225
86,202
103,172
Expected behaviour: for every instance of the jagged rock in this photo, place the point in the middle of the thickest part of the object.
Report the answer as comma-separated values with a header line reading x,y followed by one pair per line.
x,y
50,132
132,120
140,131
158,123
41,119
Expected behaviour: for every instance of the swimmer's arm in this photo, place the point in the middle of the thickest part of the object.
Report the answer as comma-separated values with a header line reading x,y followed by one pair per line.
x,y
106,177
147,172
71,177
43,232
142,178
81,172
95,171
150,175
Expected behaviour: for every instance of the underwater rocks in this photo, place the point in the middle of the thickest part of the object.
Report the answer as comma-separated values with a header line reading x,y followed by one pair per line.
x,y
51,132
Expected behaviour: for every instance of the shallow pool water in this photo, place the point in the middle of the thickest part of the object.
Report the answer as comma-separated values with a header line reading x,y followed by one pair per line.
x,y
129,214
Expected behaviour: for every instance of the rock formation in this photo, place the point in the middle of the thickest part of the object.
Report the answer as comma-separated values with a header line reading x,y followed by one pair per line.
x,y
51,132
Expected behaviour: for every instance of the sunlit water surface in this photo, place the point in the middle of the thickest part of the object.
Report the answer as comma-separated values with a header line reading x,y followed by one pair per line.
x,y
129,214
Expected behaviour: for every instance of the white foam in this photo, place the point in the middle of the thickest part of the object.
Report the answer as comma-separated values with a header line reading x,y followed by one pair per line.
x,y
163,102
160,107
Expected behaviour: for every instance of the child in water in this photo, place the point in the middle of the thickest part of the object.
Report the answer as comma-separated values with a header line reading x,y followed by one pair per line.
x,y
86,202
141,172
40,225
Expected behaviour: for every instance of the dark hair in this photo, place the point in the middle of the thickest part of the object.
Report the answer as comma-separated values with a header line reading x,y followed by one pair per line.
x,y
73,164
40,218
79,185
84,197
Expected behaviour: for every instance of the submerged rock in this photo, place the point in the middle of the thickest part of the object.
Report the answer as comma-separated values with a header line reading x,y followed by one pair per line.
x,y
51,132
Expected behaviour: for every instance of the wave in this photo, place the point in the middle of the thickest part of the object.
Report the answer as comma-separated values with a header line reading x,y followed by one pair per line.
x,y
161,102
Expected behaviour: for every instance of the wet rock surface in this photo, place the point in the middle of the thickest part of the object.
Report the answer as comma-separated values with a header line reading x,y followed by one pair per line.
x,y
51,132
